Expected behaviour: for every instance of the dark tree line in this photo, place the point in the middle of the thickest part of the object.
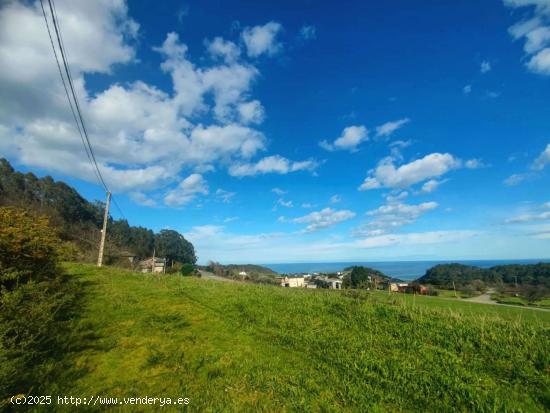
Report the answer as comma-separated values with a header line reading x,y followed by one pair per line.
x,y
79,220
445,275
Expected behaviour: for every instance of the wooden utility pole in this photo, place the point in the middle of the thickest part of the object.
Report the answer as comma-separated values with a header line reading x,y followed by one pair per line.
x,y
104,231
153,264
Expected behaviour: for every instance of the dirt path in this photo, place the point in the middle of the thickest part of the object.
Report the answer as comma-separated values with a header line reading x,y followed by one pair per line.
x,y
211,276
484,298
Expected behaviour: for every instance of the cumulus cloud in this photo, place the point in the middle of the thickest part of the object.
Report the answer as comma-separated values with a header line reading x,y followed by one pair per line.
x,y
278,191
387,175
334,199
389,128
350,138
324,218
392,216
467,89
224,49
143,136
430,186
535,32
186,191
262,39
142,199
271,164
542,160
251,112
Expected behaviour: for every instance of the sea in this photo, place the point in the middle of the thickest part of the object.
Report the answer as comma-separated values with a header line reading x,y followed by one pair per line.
x,y
403,270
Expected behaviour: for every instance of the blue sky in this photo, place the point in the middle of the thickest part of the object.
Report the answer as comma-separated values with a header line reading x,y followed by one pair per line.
x,y
297,131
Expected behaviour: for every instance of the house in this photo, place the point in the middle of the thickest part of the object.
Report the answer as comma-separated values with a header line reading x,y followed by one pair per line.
x,y
292,282
159,265
243,274
332,283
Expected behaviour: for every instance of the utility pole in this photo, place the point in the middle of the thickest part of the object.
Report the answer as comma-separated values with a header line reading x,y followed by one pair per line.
x,y
153,264
104,231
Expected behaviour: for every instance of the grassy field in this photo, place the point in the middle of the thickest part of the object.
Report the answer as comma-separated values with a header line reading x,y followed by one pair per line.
x,y
239,347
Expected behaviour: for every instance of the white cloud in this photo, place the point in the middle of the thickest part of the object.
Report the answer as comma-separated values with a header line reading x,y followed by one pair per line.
x,y
432,237
271,164
225,49
324,218
430,186
467,89
334,199
215,243
230,219
187,191
251,112
392,216
225,196
350,138
142,199
143,136
262,39
485,66
389,128
542,160
387,175
475,163
286,204
515,179
278,191
535,31
307,205
308,32
396,196
540,213
529,217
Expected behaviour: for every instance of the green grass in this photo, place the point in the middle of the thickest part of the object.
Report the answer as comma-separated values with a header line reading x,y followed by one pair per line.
x,y
467,308
240,347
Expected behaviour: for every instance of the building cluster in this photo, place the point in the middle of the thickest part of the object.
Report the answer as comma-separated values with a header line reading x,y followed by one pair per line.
x,y
313,280
335,282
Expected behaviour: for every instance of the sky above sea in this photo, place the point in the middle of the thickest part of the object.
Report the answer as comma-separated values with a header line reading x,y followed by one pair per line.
x,y
278,131
404,270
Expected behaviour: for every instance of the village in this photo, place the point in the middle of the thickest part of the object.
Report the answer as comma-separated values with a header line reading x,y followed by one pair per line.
x,y
335,281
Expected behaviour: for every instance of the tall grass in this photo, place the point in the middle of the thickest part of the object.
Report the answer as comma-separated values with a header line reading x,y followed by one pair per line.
x,y
235,347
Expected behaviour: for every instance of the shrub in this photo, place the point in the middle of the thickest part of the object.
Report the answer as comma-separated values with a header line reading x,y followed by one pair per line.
x,y
187,269
35,301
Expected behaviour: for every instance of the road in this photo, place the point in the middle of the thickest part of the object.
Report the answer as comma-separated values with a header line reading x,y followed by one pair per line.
x,y
486,299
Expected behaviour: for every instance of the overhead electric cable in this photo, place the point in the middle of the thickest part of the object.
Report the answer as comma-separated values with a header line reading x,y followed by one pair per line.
x,y
77,115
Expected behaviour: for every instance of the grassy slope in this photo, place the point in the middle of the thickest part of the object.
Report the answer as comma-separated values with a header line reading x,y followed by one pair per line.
x,y
235,347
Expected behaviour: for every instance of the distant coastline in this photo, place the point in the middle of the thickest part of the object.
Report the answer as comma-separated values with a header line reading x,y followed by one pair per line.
x,y
405,270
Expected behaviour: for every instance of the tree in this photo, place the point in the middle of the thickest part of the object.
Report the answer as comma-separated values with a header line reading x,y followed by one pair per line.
x,y
363,277
172,245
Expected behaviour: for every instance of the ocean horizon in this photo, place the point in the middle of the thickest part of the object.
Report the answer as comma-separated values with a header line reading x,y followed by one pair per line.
x,y
404,270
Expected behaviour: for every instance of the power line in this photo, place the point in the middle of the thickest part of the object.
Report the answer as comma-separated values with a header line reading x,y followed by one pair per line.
x,y
79,119
71,86
67,93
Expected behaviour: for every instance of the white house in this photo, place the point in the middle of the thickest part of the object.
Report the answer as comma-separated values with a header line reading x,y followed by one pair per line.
x,y
292,282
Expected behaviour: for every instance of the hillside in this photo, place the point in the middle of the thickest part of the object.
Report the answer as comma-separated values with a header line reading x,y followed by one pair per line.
x,y
79,221
445,275
242,347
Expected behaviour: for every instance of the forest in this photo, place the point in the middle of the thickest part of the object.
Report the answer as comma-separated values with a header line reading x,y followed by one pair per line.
x,y
78,222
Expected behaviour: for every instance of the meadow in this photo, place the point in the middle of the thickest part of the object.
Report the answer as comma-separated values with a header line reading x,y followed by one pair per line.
x,y
242,347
